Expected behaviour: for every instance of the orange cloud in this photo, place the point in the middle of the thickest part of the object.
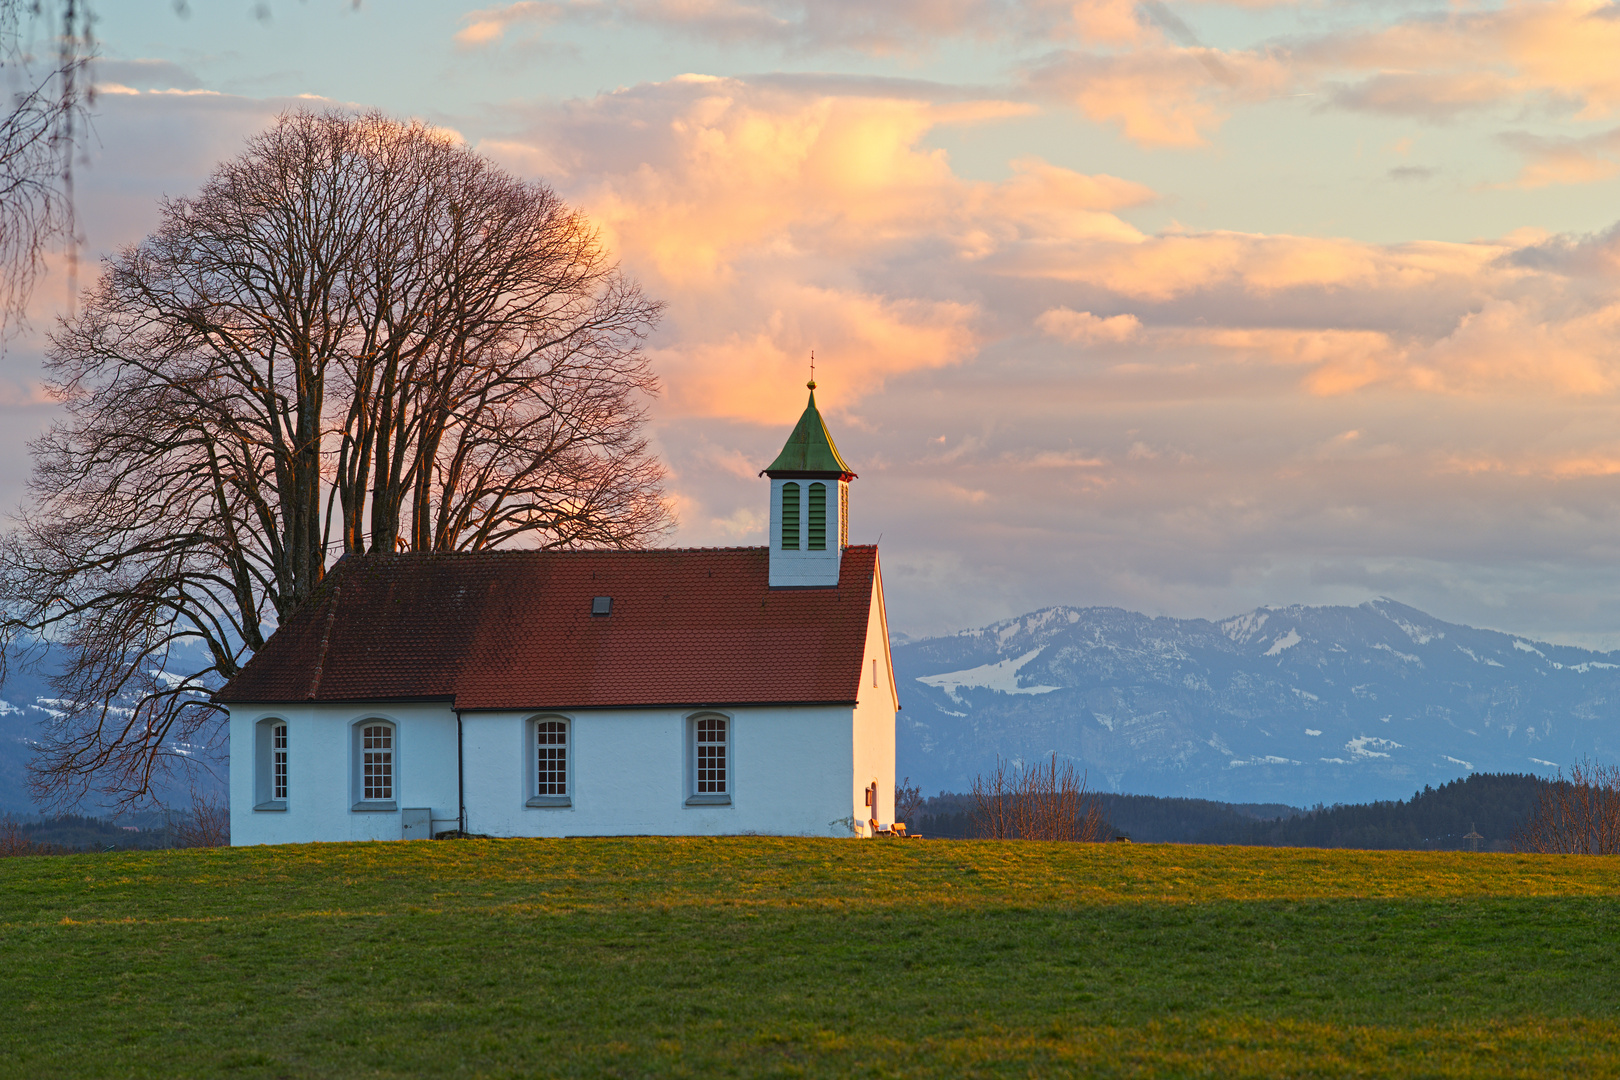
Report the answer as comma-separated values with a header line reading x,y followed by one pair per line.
x,y
1084,328
757,373
778,220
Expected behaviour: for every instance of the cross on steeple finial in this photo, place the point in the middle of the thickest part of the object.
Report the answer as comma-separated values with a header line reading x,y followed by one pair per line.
x,y
812,383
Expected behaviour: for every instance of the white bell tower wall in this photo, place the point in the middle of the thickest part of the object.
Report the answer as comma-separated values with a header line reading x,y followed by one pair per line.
x,y
808,529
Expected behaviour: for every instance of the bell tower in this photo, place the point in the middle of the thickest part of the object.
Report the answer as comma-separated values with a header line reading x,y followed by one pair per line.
x,y
809,505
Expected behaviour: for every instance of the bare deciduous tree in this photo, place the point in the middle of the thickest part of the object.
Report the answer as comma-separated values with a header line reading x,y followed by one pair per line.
x,y
359,336
1043,801
1578,815
47,99
908,802
206,824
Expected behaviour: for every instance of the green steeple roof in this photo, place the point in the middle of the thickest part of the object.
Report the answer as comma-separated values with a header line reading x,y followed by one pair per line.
x,y
809,449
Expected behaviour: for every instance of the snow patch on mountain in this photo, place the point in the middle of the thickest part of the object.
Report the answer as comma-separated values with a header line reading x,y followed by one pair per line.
x,y
1420,635
1408,657
1284,641
1363,746
1001,676
1245,628
1267,759
1525,646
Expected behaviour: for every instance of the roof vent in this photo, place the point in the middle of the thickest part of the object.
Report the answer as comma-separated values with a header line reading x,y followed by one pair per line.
x,y
602,605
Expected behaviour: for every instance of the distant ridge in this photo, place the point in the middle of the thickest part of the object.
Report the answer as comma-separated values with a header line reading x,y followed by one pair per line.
x,y
1296,705
1433,819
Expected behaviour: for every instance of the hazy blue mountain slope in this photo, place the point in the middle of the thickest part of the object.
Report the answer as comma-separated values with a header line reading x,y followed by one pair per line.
x,y
25,703
28,704
1299,705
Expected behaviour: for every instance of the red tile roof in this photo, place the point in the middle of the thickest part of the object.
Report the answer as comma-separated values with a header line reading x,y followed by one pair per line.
x,y
514,630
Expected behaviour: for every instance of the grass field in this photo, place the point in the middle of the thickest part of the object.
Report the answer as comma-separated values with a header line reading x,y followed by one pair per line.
x,y
758,956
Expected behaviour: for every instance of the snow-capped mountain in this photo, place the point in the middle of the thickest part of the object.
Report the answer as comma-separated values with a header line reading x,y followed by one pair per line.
x,y
1298,705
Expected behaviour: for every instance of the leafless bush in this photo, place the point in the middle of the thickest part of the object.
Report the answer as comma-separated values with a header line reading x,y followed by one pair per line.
x,y
908,802
13,841
206,824
1044,801
1579,815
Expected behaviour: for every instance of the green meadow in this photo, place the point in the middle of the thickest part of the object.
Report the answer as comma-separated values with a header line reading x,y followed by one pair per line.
x,y
781,957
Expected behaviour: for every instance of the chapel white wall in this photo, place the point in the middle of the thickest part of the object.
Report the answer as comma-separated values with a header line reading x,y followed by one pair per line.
x,y
790,770
873,730
319,763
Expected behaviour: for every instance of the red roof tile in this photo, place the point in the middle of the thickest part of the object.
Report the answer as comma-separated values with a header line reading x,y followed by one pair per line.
x,y
514,630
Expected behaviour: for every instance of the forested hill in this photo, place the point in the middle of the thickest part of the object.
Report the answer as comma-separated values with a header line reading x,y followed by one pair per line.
x,y
1436,818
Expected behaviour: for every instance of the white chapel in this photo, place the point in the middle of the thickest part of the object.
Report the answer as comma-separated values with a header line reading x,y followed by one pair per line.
x,y
583,693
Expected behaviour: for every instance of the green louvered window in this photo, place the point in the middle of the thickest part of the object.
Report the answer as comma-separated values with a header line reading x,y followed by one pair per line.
x,y
790,517
817,530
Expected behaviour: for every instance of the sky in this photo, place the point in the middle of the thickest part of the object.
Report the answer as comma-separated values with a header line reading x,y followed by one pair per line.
x,y
1184,307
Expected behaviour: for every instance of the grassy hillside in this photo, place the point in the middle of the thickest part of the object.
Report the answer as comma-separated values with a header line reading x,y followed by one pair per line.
x,y
758,956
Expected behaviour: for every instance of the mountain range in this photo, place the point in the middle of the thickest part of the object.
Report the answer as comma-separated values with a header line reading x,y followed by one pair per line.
x,y
1299,705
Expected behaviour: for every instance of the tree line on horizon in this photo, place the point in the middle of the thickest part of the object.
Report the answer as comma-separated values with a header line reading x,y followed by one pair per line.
x,y
1501,807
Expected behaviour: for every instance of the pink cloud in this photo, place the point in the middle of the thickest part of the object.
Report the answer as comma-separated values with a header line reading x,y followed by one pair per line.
x,y
1084,328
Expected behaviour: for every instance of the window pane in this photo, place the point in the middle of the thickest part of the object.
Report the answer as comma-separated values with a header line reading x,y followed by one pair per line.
x,y
377,763
790,517
552,770
278,762
711,756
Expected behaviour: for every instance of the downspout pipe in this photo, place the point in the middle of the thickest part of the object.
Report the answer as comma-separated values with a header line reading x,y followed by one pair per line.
x,y
461,782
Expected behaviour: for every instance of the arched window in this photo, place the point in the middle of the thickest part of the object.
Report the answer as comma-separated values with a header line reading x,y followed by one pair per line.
x,y
548,754
270,765
709,759
376,765
817,531
790,517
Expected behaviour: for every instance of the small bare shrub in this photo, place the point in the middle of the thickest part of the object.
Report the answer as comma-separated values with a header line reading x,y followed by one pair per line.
x,y
206,824
908,802
1044,801
1575,816
13,841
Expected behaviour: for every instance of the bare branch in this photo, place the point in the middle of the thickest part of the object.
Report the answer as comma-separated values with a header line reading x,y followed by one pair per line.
x,y
49,94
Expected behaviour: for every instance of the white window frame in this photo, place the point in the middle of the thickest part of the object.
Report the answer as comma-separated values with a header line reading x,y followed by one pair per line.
x,y
357,777
533,797
694,797
264,764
